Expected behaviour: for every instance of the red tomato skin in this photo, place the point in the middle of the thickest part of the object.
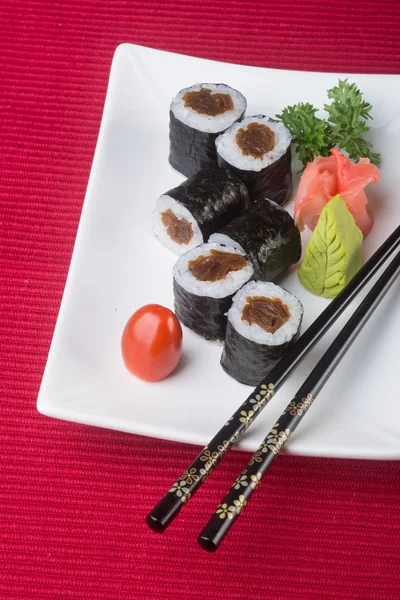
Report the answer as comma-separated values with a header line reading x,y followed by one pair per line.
x,y
151,342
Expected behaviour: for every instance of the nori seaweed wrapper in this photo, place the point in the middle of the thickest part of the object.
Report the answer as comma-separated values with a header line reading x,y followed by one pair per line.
x,y
269,237
273,182
191,149
204,315
247,361
214,197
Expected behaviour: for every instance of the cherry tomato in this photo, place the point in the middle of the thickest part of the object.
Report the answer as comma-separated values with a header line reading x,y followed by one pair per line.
x,y
152,342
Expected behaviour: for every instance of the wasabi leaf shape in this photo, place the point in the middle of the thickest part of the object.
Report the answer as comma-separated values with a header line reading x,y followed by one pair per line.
x,y
333,255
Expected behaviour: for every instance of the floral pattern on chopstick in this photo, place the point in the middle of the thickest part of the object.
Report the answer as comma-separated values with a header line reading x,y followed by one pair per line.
x,y
241,481
246,417
301,407
267,390
255,480
183,487
264,395
257,402
276,440
205,471
181,491
189,476
223,447
250,478
239,503
256,458
224,511
210,456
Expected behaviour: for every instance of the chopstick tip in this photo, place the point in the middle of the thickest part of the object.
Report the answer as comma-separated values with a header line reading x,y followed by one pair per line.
x,y
155,524
207,544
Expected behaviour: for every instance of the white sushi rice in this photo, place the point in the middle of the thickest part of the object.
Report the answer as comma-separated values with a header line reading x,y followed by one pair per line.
x,y
207,123
225,240
163,204
254,332
228,149
213,289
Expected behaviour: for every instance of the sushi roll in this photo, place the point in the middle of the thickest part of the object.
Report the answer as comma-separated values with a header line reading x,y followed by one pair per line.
x,y
197,115
186,216
258,150
268,235
263,322
205,280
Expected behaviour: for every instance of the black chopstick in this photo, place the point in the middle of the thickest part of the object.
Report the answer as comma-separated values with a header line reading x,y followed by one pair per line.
x,y
188,483
238,496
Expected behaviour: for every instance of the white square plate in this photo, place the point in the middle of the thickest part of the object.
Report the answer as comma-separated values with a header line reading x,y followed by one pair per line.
x,y
118,266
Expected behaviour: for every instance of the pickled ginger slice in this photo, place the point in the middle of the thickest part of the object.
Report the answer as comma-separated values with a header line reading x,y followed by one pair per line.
x,y
324,178
352,178
333,254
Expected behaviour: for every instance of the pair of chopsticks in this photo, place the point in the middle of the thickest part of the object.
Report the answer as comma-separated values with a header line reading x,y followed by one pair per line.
x,y
236,499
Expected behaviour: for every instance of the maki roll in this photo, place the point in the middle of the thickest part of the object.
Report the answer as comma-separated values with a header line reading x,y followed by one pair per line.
x,y
258,150
197,115
263,322
186,216
205,280
268,235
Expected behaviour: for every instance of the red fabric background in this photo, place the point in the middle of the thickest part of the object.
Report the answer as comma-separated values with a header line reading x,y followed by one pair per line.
x,y
72,498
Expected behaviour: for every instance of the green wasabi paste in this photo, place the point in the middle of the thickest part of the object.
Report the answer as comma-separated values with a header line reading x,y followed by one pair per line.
x,y
333,254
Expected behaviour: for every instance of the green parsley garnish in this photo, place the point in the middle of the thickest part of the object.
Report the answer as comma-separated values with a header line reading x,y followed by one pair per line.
x,y
311,135
347,115
344,126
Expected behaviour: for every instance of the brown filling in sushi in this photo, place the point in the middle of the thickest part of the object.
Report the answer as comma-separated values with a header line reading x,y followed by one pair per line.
x,y
256,140
179,230
206,103
216,265
268,313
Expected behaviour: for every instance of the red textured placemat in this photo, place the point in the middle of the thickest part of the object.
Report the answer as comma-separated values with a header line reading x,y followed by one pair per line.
x,y
72,498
